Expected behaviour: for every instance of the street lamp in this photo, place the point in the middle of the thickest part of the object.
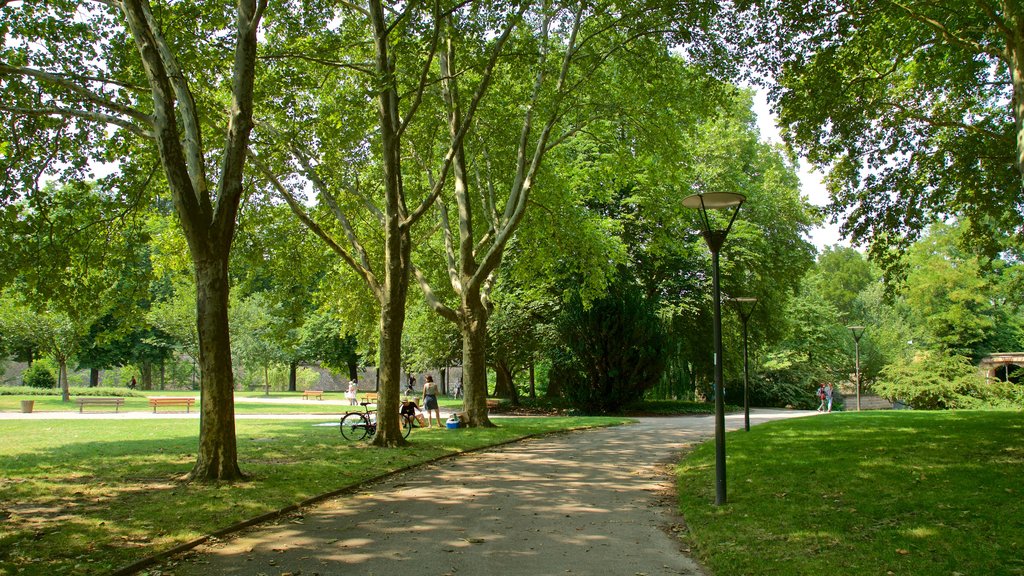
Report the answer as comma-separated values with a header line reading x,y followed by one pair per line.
x,y
745,306
857,332
715,238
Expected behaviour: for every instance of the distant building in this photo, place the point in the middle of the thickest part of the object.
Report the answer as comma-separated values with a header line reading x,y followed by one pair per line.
x,y
1004,366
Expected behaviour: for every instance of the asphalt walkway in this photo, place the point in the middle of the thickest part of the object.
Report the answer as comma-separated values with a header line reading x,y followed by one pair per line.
x,y
596,502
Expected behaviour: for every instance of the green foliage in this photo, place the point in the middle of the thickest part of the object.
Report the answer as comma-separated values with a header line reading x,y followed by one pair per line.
x,y
839,277
39,375
75,391
931,132
933,380
782,388
611,352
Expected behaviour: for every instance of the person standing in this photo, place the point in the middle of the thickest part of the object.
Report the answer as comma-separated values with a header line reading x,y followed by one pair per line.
x,y
828,396
430,401
353,393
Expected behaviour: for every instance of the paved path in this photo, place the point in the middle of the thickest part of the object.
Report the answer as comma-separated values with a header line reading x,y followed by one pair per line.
x,y
593,502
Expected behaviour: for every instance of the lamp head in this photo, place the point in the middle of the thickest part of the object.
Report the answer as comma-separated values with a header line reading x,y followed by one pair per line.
x,y
714,200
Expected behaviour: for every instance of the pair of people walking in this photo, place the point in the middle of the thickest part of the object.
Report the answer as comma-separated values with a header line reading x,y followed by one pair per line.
x,y
825,397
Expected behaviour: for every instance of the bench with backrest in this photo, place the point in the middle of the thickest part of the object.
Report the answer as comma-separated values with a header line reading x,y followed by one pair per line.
x,y
369,398
186,401
307,394
84,401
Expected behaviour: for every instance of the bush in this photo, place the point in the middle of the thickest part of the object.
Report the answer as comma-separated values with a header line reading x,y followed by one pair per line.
x,y
932,381
38,376
611,352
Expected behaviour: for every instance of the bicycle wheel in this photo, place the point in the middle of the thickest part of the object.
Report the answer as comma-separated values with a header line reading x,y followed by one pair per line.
x,y
406,425
354,426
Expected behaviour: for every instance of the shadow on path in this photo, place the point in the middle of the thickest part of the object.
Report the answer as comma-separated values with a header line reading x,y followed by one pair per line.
x,y
590,502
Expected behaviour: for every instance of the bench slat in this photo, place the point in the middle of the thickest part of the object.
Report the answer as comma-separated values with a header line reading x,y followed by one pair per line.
x,y
186,401
98,401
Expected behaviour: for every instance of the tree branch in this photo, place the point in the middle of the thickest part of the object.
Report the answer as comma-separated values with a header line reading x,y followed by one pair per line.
x,y
948,35
299,211
433,302
84,114
79,90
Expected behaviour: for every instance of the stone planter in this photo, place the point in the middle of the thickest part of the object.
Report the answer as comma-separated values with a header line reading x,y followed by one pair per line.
x,y
27,405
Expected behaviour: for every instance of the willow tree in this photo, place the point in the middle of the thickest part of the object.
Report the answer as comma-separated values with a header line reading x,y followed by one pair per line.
x,y
114,80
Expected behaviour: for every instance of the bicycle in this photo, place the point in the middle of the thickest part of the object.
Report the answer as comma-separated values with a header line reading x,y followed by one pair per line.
x,y
359,425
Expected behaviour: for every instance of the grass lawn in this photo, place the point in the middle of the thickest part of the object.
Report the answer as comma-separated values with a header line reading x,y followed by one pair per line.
x,y
905,493
89,496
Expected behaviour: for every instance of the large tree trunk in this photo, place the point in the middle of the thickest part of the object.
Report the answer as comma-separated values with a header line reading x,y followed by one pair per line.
x,y
218,455
293,369
65,392
533,381
396,242
207,218
505,385
147,375
474,364
94,377
1016,53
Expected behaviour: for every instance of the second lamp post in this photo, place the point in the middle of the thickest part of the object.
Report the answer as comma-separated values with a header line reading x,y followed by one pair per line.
x,y
715,238
745,306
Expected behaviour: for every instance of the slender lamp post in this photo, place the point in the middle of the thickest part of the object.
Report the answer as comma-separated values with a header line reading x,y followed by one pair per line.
x,y
857,332
745,314
715,238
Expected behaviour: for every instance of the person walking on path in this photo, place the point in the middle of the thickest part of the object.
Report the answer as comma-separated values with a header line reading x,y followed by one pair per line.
x,y
430,401
828,396
821,397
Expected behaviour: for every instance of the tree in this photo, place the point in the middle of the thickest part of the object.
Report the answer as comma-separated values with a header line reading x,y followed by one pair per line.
x,y
521,325
74,260
611,352
932,381
916,107
840,276
75,89
277,260
950,299
576,56
323,342
397,40
51,332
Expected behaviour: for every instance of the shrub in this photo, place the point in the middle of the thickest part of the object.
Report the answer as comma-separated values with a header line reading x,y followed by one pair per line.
x,y
932,381
611,352
38,376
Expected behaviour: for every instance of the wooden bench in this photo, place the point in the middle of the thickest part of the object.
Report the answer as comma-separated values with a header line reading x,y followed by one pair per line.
x,y
318,394
83,401
186,401
368,398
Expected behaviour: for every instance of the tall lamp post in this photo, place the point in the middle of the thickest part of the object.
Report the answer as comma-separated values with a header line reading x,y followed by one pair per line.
x,y
745,306
715,238
857,332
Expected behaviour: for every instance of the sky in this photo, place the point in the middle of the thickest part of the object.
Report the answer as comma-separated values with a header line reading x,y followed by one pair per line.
x,y
810,180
